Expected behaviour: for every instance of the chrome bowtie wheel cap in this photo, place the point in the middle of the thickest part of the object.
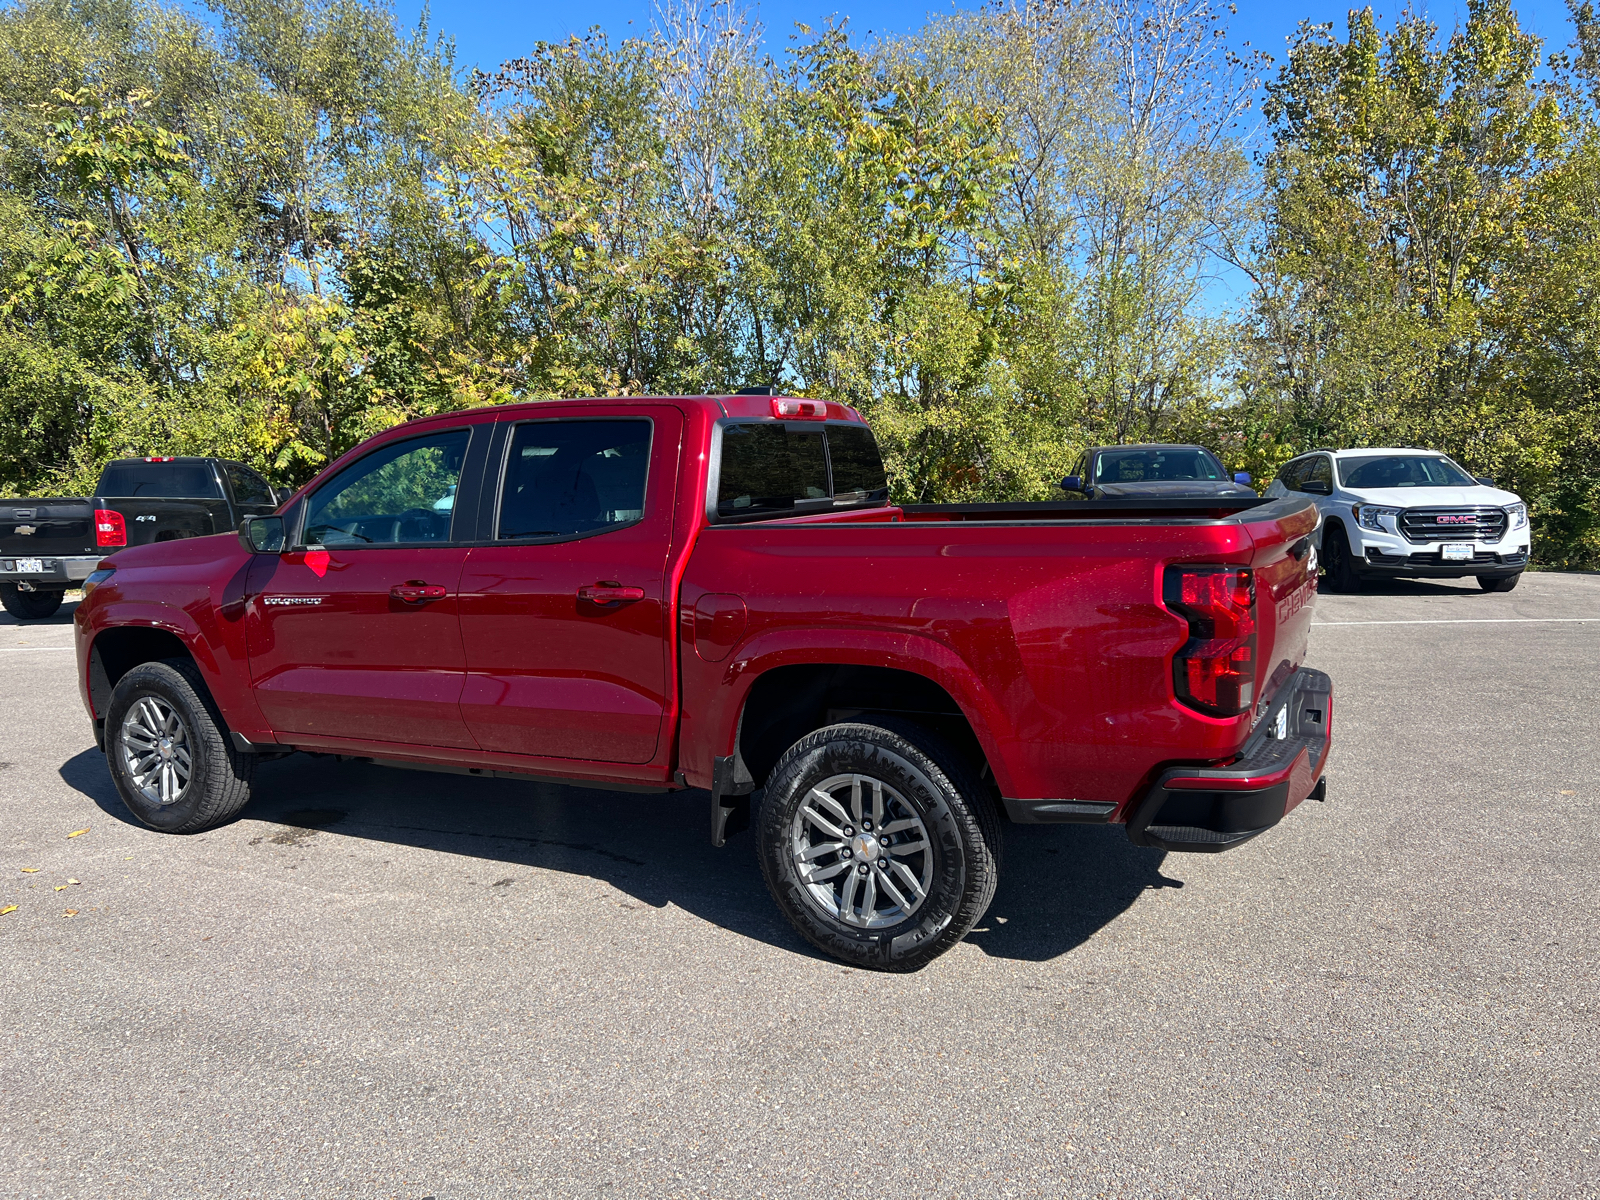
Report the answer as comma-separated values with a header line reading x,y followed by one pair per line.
x,y
866,847
155,750
845,822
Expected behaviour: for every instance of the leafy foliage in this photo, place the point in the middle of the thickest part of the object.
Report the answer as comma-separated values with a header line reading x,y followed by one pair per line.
x,y
274,232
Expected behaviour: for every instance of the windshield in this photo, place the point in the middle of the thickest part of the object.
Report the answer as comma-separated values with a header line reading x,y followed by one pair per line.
x,y
1401,471
1149,465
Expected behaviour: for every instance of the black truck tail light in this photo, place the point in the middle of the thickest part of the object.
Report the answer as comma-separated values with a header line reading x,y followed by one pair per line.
x,y
109,528
1215,671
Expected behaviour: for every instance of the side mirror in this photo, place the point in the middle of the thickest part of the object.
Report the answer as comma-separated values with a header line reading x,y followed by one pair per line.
x,y
1486,480
1242,479
1320,487
1072,483
262,535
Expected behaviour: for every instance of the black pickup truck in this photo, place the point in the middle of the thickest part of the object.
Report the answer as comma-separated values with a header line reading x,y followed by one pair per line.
x,y
48,545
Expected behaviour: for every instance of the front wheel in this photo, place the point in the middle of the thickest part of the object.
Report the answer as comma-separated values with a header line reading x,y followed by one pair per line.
x,y
29,606
1341,572
168,750
878,844
1503,584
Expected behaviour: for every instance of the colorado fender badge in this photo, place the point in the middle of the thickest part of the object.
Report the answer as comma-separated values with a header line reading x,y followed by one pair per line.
x,y
292,601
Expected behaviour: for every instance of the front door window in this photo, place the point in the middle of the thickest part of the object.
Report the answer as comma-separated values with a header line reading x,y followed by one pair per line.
x,y
400,495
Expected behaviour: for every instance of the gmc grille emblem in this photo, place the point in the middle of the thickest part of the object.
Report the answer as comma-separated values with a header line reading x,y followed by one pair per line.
x,y
1457,520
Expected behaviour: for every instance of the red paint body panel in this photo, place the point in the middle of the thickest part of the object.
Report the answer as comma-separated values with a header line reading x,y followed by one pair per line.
x,y
194,589
359,663
1044,624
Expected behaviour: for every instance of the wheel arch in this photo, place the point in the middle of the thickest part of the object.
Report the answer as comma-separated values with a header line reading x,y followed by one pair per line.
x,y
118,649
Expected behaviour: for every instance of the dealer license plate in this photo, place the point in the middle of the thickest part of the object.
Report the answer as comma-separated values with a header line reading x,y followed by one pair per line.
x,y
33,565
1457,551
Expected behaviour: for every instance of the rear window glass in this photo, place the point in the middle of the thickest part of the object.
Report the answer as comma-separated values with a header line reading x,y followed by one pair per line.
x,y
178,480
857,465
771,467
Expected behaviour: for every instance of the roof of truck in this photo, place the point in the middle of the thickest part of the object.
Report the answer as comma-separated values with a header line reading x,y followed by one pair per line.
x,y
721,405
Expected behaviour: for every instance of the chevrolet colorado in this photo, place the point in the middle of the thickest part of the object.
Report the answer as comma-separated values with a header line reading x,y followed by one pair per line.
x,y
716,592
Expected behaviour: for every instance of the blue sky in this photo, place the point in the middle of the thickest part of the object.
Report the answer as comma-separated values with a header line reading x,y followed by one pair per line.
x,y
489,31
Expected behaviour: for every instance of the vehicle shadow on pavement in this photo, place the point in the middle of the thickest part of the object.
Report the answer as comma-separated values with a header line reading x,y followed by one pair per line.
x,y
1060,884
1412,587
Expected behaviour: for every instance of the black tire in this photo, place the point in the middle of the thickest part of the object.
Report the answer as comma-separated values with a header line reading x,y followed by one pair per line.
x,y
218,782
1339,570
921,777
1503,583
29,606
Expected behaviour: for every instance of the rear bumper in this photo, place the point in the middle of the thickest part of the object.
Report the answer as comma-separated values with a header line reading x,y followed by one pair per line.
x,y
56,571
1210,809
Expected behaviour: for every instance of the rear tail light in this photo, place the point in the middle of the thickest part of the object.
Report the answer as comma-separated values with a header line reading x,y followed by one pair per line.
x,y
1215,671
109,528
804,410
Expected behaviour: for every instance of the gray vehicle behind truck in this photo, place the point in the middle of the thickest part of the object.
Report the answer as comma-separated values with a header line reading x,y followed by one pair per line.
x,y
50,544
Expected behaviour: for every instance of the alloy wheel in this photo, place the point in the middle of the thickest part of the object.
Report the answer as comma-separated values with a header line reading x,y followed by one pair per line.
x,y
156,750
862,852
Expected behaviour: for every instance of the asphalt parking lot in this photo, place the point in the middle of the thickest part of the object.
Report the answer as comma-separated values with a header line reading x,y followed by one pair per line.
x,y
383,983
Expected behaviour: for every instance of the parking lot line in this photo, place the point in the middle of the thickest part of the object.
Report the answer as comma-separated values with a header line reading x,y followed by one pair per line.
x,y
1467,621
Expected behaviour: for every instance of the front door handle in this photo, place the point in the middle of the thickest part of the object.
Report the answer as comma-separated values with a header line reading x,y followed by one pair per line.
x,y
415,591
609,593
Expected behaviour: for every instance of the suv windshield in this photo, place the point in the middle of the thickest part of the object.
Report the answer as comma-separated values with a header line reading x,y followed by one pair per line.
x,y
1150,465
1402,470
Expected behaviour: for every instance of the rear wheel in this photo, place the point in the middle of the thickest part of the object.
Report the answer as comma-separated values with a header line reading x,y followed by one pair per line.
x,y
1336,561
30,606
878,844
168,750
1502,584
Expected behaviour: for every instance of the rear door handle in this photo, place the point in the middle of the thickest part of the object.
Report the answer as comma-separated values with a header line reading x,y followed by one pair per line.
x,y
415,591
609,593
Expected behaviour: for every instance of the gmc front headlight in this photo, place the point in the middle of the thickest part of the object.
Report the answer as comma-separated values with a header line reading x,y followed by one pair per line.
x,y
1370,516
1516,516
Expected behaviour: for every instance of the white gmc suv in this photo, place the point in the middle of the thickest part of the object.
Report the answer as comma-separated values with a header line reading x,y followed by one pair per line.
x,y
1410,513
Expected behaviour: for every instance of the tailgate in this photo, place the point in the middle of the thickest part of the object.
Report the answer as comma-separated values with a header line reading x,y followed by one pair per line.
x,y
157,520
58,527
1285,565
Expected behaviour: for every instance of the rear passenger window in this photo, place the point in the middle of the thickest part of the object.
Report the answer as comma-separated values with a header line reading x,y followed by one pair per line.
x,y
566,478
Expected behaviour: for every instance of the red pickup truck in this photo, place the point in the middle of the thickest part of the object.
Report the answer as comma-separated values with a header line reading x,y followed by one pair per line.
x,y
716,592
